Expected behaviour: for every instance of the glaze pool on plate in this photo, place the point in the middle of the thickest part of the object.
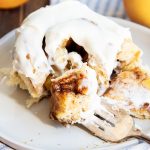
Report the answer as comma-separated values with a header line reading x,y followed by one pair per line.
x,y
32,129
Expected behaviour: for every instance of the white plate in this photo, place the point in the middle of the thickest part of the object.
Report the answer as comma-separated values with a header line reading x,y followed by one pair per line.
x,y
24,128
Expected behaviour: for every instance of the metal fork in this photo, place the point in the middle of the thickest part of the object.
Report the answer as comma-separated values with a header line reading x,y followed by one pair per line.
x,y
113,125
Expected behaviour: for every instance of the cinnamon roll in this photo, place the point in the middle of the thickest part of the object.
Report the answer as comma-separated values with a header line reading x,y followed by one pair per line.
x,y
73,53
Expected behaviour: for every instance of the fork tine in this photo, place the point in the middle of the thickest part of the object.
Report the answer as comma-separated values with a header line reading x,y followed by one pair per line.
x,y
106,115
99,132
94,127
101,123
105,131
114,110
109,124
105,120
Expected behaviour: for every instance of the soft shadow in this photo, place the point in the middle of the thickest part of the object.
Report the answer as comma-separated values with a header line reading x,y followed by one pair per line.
x,y
40,110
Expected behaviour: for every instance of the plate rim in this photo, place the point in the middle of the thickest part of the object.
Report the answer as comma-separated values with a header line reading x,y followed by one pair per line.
x,y
131,23
18,145
7,36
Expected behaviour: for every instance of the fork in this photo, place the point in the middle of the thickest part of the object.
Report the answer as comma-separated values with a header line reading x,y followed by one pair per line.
x,y
113,125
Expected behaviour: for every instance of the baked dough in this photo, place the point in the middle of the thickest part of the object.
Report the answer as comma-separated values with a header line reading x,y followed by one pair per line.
x,y
132,89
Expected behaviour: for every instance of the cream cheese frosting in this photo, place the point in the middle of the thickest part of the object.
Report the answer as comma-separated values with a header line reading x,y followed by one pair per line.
x,y
98,35
99,42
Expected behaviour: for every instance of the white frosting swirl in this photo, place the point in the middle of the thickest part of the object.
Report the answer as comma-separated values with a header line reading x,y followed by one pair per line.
x,y
98,35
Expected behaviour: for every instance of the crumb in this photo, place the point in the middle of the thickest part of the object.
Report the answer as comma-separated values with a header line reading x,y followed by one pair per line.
x,y
28,56
31,140
34,70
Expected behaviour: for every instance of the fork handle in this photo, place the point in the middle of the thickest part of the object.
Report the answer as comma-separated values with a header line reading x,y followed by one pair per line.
x,y
139,135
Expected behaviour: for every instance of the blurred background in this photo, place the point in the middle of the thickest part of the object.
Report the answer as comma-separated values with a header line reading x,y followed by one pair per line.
x,y
12,12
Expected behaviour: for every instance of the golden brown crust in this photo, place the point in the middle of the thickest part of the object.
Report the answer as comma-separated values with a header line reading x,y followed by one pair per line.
x,y
141,113
69,99
69,84
67,107
129,56
25,83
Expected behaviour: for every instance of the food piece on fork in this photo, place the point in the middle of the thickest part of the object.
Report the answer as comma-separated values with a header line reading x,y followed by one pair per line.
x,y
75,100
132,89
74,95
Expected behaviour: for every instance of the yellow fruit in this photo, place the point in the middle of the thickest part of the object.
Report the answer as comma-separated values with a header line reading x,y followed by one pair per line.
x,y
138,11
146,83
7,4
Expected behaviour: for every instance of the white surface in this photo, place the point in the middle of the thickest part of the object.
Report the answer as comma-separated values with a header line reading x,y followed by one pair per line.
x,y
31,129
